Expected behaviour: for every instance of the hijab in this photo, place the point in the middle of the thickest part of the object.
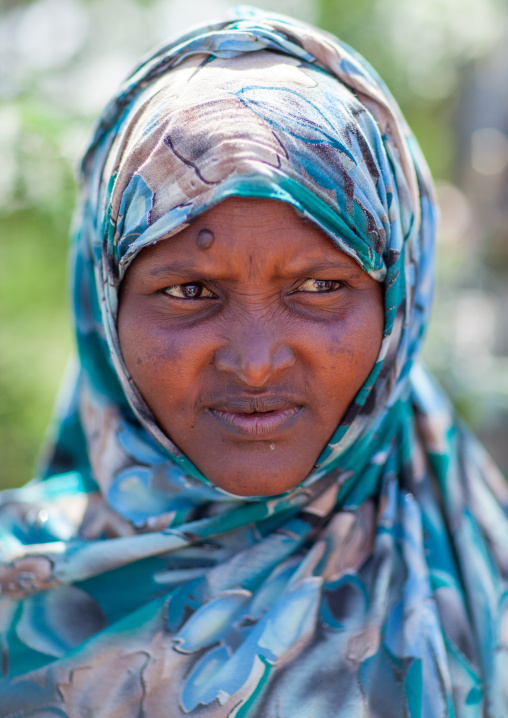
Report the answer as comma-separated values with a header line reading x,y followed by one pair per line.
x,y
130,584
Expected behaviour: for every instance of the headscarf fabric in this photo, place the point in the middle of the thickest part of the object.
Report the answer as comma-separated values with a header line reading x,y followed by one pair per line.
x,y
130,585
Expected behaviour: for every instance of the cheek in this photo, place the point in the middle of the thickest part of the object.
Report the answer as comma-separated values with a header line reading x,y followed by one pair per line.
x,y
156,359
344,352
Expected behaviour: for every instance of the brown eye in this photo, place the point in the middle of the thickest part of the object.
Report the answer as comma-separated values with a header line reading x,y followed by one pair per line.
x,y
191,290
320,285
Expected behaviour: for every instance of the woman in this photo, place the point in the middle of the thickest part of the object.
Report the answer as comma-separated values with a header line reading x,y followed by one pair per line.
x,y
258,504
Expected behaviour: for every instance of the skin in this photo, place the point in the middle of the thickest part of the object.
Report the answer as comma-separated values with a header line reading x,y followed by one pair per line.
x,y
251,364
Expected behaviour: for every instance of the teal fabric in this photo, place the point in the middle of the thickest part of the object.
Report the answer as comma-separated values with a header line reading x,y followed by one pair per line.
x,y
130,584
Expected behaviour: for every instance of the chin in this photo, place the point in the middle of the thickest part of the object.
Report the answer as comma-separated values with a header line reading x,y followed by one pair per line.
x,y
242,483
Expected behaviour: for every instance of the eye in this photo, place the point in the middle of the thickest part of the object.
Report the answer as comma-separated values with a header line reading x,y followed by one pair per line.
x,y
320,285
191,290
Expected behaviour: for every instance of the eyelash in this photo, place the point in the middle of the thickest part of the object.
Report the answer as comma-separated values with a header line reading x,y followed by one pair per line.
x,y
336,282
336,285
200,286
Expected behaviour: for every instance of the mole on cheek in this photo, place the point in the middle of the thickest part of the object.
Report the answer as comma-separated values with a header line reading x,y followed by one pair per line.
x,y
204,238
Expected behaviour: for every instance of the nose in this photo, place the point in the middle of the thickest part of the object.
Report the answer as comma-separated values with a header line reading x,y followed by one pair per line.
x,y
254,353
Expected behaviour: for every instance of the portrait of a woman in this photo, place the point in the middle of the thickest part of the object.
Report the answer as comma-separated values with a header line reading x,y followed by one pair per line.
x,y
258,503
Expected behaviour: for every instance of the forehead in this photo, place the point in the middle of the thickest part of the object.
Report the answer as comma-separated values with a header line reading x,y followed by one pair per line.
x,y
248,234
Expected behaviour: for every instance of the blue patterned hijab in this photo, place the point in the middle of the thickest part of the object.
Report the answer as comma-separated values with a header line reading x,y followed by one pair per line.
x,y
130,584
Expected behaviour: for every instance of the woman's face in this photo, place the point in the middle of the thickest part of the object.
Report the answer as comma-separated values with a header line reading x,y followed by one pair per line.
x,y
249,349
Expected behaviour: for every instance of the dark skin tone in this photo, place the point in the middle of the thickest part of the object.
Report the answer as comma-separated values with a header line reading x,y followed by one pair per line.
x,y
249,350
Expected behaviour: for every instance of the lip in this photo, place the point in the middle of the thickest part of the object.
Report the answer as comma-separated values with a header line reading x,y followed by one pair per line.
x,y
256,417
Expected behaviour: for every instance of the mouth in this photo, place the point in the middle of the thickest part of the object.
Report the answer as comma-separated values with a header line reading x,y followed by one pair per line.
x,y
258,418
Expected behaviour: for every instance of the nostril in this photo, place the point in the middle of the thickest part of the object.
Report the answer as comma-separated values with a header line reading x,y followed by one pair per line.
x,y
284,357
255,366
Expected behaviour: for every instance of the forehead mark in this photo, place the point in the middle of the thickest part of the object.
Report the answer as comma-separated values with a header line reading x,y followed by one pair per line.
x,y
205,238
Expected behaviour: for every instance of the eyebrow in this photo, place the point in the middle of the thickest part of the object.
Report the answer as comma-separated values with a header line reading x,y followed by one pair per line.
x,y
173,268
185,268
334,265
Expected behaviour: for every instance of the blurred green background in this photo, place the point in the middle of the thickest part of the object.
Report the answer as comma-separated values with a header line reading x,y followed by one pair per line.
x,y
446,62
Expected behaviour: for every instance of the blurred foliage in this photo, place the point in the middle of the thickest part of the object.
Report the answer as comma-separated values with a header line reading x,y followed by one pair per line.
x,y
420,50
60,60
35,334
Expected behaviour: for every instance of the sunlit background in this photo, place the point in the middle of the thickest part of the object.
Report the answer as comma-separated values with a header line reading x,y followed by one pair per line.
x,y
446,62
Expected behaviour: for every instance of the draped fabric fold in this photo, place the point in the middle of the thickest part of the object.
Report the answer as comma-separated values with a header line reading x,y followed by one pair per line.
x,y
130,585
